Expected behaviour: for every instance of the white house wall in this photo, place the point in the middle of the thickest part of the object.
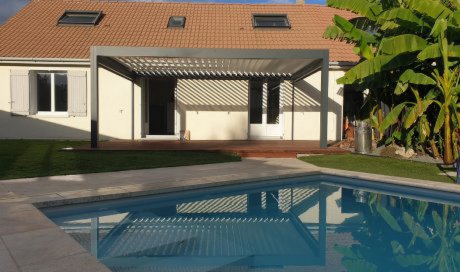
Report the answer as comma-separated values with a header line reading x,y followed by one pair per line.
x,y
115,110
115,106
36,126
210,109
307,101
213,109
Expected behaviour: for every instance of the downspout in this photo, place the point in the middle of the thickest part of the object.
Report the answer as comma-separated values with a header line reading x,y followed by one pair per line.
x,y
292,115
132,110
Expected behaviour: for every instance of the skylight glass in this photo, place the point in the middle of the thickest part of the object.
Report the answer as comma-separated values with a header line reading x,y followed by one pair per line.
x,y
71,17
271,20
176,21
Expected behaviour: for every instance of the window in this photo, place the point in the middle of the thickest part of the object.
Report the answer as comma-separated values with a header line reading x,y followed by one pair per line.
x,y
176,21
80,17
273,102
52,92
256,99
270,20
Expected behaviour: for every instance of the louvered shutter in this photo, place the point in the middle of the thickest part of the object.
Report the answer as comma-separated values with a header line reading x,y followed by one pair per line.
x,y
33,98
77,93
20,94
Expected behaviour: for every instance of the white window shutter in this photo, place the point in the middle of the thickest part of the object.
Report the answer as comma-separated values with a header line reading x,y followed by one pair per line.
x,y
33,98
76,81
19,84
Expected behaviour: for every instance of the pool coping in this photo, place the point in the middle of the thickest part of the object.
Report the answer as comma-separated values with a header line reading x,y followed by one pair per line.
x,y
32,225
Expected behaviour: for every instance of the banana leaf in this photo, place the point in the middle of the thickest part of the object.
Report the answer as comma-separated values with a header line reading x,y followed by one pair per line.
x,y
439,120
455,18
374,66
358,265
389,219
402,44
415,228
365,50
409,76
351,31
433,52
437,220
347,252
413,260
392,117
403,17
397,247
411,117
362,7
389,25
440,26
401,88
430,8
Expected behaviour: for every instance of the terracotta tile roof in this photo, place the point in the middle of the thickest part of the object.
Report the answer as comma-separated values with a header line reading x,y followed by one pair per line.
x,y
34,33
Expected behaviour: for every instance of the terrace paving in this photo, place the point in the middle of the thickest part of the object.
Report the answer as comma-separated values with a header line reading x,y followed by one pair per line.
x,y
29,241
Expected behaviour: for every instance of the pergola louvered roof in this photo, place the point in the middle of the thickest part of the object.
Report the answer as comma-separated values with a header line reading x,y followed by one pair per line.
x,y
213,67
217,63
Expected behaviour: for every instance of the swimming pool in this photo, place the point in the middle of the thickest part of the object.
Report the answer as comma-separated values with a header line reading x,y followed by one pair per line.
x,y
314,223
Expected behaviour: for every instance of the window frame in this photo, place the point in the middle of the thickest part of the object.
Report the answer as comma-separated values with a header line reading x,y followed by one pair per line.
x,y
176,27
284,16
53,111
94,22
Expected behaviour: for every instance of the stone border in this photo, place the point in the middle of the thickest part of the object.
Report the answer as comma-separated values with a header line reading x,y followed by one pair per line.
x,y
114,193
24,230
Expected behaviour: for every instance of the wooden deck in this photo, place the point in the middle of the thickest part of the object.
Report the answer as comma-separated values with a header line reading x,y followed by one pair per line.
x,y
265,149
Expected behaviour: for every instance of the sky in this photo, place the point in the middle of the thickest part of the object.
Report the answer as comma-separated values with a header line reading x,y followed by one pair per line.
x,y
9,7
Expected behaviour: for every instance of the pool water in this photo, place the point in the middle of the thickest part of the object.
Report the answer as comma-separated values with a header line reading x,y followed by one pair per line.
x,y
315,223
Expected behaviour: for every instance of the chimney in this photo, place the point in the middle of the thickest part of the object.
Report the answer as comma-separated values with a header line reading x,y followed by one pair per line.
x,y
300,2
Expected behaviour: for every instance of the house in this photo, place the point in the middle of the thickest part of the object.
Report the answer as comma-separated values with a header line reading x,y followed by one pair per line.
x,y
79,69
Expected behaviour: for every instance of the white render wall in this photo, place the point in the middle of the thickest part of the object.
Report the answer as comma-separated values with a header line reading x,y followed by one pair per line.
x,y
213,109
115,110
307,101
36,126
210,109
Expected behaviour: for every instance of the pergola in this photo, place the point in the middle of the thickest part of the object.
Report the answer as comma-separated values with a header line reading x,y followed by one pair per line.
x,y
134,62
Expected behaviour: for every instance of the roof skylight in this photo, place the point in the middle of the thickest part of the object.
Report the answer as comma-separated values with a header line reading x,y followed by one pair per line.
x,y
176,21
73,17
270,20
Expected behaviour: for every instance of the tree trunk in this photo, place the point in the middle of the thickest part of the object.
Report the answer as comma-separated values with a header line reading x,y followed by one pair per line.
x,y
380,119
434,149
448,156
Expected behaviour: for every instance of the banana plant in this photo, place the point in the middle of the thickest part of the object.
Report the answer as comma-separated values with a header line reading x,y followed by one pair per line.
x,y
408,235
411,115
395,38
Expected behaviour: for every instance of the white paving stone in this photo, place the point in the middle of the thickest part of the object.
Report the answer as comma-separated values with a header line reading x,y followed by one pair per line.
x,y
32,242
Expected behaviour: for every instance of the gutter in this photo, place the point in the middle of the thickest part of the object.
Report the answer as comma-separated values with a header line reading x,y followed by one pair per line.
x,y
57,61
86,62
341,65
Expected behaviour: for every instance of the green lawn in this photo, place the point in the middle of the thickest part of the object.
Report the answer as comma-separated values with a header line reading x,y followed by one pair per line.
x,y
34,158
380,165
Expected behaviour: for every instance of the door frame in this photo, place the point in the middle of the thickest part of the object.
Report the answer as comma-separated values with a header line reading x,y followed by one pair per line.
x,y
146,111
261,131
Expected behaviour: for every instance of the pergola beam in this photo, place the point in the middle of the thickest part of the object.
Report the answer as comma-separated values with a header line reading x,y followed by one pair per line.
x,y
324,100
94,98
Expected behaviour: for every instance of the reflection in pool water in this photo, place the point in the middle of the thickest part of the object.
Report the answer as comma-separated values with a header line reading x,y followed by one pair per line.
x,y
304,224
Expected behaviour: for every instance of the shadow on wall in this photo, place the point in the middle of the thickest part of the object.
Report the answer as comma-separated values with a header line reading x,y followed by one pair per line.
x,y
24,127
307,98
212,96
232,96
